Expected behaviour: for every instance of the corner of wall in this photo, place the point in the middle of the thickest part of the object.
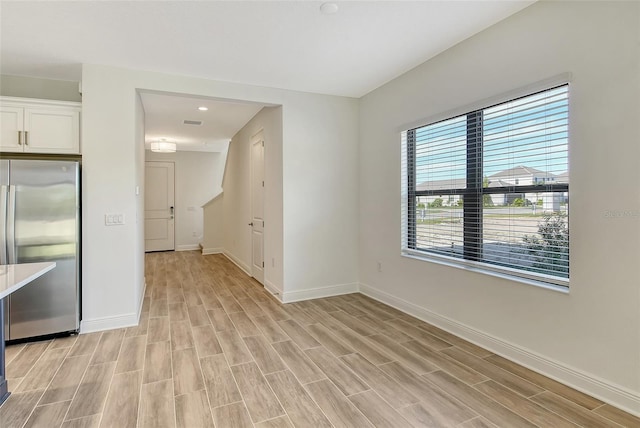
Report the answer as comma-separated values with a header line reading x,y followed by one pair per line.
x,y
236,261
273,289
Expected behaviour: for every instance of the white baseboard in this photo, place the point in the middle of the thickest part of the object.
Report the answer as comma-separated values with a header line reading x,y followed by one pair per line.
x,y
207,251
188,247
236,261
615,395
109,323
319,292
273,289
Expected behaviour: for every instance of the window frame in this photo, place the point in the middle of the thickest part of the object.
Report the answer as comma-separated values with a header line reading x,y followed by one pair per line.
x,y
473,193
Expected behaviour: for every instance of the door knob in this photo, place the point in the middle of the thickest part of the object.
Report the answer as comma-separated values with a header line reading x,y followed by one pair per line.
x,y
251,224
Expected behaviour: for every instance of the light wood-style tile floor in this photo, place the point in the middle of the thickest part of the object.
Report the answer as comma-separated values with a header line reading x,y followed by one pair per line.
x,y
213,348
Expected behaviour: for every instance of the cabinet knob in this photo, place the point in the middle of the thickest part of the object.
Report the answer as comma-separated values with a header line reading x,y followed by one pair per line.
x,y
19,138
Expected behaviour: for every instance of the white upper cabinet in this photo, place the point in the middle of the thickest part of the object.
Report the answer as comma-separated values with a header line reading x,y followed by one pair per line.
x,y
39,126
11,127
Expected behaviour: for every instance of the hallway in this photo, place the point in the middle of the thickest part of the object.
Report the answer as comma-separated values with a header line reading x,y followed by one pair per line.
x,y
213,348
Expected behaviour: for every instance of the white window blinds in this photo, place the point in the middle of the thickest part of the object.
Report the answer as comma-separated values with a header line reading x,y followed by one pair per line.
x,y
491,187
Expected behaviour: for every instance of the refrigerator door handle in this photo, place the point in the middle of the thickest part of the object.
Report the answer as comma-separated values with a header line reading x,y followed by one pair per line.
x,y
11,225
3,224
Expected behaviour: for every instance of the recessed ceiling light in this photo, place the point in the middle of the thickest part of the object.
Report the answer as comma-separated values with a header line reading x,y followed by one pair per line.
x,y
203,108
329,8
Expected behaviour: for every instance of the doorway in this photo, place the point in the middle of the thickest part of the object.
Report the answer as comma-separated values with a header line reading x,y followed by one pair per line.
x,y
257,207
159,206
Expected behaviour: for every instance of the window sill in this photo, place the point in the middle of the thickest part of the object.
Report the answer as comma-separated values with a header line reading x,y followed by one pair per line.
x,y
480,268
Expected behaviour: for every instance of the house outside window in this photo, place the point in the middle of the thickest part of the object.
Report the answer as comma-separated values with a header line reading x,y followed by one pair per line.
x,y
489,188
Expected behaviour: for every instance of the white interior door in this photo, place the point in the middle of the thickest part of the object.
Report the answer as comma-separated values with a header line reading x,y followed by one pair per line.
x,y
159,206
257,207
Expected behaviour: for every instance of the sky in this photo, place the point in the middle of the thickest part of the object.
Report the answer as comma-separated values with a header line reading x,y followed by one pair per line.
x,y
531,131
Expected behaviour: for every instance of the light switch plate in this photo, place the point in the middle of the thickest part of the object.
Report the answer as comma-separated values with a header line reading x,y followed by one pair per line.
x,y
113,219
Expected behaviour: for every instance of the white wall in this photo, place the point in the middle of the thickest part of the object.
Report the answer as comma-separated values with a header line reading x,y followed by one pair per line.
x,y
237,194
213,219
139,189
111,255
197,180
317,162
317,167
320,177
589,337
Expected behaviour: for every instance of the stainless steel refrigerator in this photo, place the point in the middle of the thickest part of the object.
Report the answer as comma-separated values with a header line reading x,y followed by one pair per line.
x,y
40,221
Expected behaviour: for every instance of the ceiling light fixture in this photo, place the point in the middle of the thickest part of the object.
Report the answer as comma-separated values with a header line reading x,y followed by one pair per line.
x,y
163,146
203,108
328,8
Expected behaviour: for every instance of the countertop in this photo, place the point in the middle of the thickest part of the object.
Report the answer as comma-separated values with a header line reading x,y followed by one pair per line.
x,y
14,277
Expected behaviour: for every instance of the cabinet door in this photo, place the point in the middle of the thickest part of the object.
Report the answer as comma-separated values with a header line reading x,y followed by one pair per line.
x,y
51,130
11,121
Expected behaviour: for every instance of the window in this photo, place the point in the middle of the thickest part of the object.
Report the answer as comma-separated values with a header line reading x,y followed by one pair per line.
x,y
489,189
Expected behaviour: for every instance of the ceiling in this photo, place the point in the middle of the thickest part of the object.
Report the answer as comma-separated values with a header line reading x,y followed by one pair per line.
x,y
165,115
286,44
